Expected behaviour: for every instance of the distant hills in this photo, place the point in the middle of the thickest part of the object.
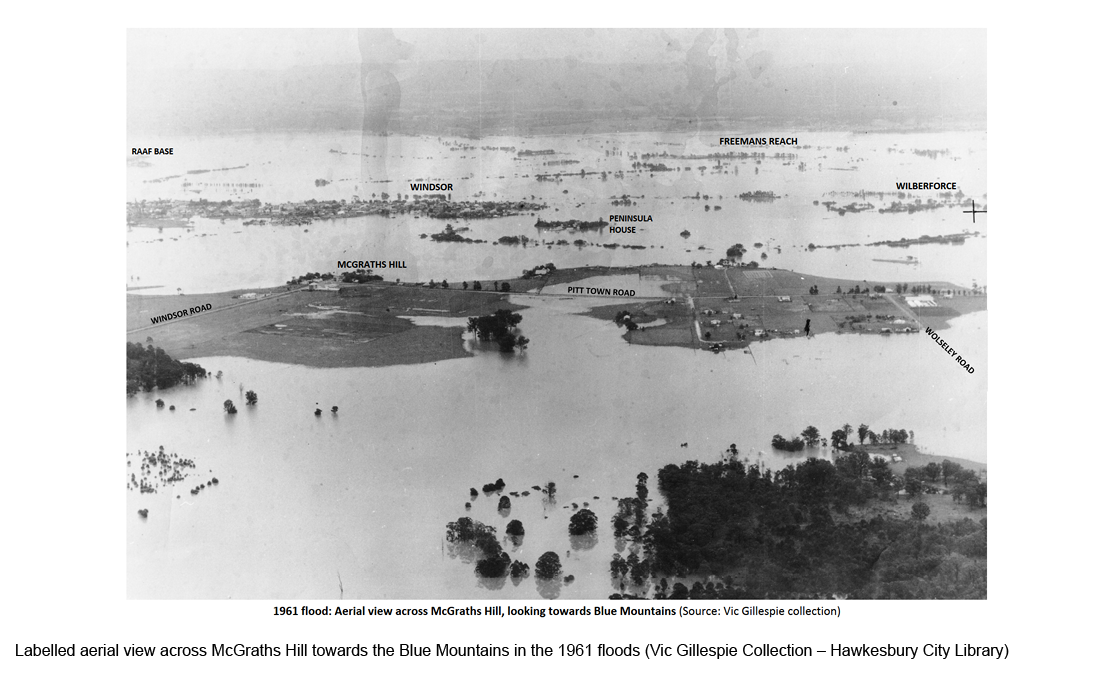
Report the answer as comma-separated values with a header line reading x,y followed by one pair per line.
x,y
526,96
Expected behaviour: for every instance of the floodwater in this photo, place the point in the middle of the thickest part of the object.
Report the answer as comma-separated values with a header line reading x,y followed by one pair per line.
x,y
307,504
215,256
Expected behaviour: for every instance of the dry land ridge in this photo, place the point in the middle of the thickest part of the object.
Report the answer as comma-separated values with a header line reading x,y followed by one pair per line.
x,y
361,325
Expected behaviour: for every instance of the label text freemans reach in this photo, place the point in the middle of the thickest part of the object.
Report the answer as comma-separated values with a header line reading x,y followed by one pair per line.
x,y
759,141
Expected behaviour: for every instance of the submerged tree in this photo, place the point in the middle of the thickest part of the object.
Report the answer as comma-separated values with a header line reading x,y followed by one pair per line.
x,y
230,408
811,435
498,327
548,566
618,566
519,570
584,521
493,566
251,397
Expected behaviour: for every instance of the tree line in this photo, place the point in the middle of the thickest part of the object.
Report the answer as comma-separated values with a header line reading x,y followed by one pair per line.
x,y
841,438
150,368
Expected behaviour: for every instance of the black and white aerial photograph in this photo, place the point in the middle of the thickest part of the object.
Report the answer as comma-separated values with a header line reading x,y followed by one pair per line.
x,y
527,314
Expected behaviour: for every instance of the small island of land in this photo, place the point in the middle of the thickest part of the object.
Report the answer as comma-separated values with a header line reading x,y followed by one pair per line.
x,y
722,307
357,325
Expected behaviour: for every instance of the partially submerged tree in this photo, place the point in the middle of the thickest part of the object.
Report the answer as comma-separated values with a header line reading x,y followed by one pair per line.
x,y
811,435
582,522
493,566
519,570
548,566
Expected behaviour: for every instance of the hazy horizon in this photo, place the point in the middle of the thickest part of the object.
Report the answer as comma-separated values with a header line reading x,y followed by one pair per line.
x,y
458,81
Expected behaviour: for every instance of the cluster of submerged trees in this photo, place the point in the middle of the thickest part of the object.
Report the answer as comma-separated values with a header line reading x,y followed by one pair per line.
x,y
793,534
624,319
544,269
492,562
841,438
253,398
150,368
629,525
499,327
737,250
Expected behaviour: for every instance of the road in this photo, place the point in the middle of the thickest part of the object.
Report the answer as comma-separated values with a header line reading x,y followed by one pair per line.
x,y
239,304
905,309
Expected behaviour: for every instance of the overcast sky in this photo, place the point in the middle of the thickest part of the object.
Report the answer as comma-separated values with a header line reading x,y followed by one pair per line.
x,y
283,48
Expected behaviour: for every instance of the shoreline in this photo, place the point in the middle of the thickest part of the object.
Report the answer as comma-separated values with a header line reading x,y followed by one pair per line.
x,y
361,326
912,457
354,325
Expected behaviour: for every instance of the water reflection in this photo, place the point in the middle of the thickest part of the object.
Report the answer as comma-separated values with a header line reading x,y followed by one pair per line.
x,y
491,583
583,542
550,589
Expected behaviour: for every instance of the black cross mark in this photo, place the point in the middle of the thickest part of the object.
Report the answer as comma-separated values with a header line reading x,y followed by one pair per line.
x,y
973,211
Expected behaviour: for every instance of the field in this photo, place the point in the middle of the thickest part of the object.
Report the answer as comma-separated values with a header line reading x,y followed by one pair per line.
x,y
735,306
942,508
360,326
